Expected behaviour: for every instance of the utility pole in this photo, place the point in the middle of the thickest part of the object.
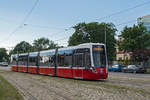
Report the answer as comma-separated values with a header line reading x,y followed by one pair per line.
x,y
105,34
105,41
17,58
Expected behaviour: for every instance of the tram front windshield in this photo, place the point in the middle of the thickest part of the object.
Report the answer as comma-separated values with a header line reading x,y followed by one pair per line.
x,y
99,57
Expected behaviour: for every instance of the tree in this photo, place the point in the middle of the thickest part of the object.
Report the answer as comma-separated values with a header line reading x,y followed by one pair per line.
x,y
3,55
43,44
141,55
22,47
136,40
95,32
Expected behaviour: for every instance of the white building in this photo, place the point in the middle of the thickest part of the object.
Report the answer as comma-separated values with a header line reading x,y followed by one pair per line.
x,y
122,55
145,20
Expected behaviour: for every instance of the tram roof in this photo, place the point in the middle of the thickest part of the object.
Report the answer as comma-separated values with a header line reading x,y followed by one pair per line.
x,y
84,45
91,44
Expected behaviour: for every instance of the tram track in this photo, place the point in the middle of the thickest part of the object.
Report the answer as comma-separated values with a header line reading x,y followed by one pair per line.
x,y
24,92
48,89
27,95
117,87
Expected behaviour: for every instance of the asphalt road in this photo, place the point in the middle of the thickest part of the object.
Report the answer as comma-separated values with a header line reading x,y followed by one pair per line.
x,y
130,75
5,68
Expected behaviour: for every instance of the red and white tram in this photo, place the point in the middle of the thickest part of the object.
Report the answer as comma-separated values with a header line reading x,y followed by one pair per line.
x,y
85,61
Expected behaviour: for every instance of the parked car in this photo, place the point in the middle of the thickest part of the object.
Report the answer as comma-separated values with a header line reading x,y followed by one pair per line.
x,y
3,63
141,70
134,69
116,68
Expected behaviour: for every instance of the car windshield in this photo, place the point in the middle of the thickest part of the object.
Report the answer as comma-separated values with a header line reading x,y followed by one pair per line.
x,y
99,57
132,66
115,66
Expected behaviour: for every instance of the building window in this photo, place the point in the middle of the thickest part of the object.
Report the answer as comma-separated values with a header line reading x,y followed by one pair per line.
x,y
120,58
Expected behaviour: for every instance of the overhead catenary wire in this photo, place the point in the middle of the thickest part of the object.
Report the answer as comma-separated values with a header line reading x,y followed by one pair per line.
x,y
113,14
42,26
123,11
116,13
109,15
23,21
120,24
57,33
64,38
119,12
29,13
65,30
126,22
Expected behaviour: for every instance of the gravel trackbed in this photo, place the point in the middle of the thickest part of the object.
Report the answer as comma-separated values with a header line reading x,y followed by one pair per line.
x,y
119,86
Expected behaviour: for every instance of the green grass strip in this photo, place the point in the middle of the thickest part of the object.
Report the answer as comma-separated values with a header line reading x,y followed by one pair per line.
x,y
8,92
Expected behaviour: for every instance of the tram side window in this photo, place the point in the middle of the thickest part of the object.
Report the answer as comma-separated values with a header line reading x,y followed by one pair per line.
x,y
44,61
82,57
78,60
68,60
87,59
52,60
61,60
32,61
19,61
14,61
22,60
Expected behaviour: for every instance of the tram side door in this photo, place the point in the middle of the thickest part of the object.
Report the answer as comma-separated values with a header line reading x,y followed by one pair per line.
x,y
78,68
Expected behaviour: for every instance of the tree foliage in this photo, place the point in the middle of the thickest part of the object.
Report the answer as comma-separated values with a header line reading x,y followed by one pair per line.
x,y
22,47
136,40
39,44
95,32
141,55
3,55
43,44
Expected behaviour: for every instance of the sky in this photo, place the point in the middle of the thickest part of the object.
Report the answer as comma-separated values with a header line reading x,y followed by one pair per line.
x,y
51,18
